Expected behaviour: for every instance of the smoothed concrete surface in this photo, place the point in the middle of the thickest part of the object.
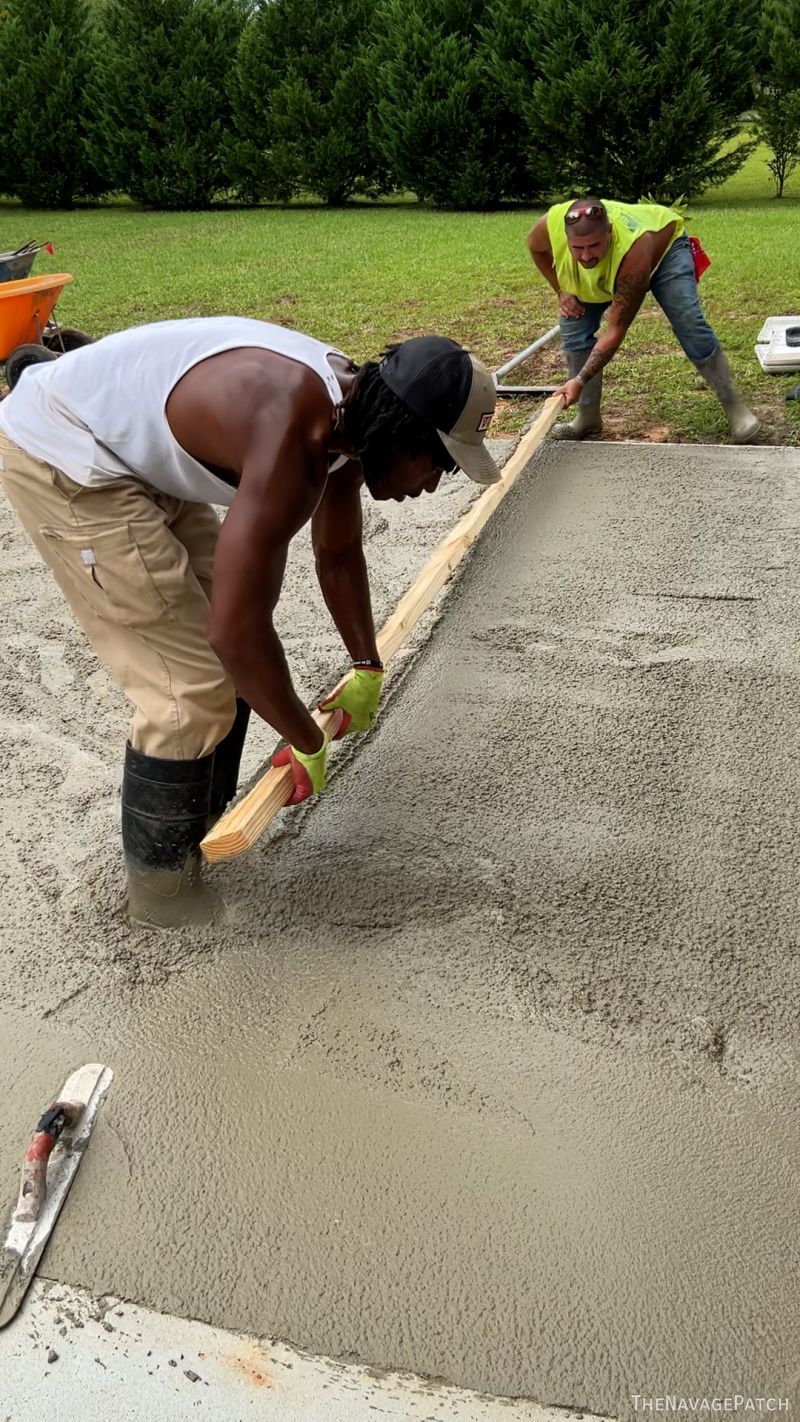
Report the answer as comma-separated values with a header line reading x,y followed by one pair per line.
x,y
493,1075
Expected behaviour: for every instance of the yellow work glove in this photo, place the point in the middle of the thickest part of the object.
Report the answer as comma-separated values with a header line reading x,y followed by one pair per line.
x,y
358,698
310,771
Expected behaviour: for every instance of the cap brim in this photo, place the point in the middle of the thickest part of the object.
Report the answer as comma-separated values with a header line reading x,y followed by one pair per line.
x,y
474,459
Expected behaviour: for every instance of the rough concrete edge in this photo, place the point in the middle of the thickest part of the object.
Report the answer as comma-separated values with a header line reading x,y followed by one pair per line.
x,y
743,449
158,1366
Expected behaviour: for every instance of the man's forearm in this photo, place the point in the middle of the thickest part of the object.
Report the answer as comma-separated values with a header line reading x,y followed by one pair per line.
x,y
345,587
257,665
601,353
629,293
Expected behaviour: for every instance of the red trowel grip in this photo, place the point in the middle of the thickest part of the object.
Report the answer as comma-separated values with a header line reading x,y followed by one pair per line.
x,y
33,1186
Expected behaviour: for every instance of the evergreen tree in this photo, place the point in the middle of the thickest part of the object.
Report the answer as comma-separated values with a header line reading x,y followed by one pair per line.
x,y
632,97
778,89
301,98
440,118
7,164
161,92
46,56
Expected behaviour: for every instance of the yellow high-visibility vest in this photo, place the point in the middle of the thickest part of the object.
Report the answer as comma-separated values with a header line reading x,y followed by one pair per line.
x,y
628,222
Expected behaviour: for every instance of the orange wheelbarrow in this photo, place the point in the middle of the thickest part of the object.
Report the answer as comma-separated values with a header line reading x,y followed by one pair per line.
x,y
29,332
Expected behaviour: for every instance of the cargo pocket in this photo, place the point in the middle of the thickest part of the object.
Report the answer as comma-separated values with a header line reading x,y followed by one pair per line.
x,y
106,568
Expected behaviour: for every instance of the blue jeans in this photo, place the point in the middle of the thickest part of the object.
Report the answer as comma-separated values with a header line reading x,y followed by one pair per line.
x,y
674,287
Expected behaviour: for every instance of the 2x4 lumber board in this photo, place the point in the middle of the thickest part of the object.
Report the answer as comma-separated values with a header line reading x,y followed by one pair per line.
x,y
239,829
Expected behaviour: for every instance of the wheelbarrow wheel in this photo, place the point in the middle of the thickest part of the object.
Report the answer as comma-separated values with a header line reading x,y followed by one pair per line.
x,y
21,358
66,339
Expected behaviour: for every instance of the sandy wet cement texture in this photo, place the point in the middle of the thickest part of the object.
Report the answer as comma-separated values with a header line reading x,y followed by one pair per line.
x,y
493,1074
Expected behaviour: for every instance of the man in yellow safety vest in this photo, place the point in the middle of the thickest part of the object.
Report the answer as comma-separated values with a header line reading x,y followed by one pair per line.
x,y
605,256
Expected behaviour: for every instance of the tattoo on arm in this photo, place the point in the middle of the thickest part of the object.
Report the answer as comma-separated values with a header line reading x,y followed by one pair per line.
x,y
594,362
629,293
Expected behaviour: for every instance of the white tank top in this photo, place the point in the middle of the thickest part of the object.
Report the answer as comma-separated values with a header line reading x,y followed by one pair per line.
x,y
99,413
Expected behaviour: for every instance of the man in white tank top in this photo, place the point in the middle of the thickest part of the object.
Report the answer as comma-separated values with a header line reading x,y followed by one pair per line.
x,y
112,457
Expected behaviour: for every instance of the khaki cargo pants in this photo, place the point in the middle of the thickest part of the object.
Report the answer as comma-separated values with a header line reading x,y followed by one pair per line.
x,y
135,567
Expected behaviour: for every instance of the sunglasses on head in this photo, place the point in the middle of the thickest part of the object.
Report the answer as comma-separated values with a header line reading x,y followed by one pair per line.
x,y
591,210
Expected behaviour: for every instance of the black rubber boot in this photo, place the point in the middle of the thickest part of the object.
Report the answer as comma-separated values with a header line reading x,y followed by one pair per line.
x,y
227,759
165,806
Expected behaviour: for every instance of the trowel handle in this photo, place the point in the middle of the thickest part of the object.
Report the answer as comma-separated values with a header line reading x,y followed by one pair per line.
x,y
33,1186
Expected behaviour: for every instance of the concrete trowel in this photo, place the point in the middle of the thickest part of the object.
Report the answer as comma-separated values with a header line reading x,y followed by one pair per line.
x,y
62,1132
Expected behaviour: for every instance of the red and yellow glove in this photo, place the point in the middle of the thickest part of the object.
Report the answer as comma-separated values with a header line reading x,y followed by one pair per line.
x,y
358,698
310,771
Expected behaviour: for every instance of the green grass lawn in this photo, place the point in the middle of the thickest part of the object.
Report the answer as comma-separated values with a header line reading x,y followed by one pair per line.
x,y
367,275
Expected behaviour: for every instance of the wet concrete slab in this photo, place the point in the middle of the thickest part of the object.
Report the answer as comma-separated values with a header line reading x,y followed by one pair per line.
x,y
492,1076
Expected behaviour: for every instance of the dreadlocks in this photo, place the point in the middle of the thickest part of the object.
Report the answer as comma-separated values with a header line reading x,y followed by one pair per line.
x,y
380,425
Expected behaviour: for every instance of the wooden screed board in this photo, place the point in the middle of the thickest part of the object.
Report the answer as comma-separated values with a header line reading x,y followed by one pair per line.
x,y
239,829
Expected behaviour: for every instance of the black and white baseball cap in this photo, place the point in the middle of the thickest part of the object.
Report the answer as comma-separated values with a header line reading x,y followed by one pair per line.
x,y
452,390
